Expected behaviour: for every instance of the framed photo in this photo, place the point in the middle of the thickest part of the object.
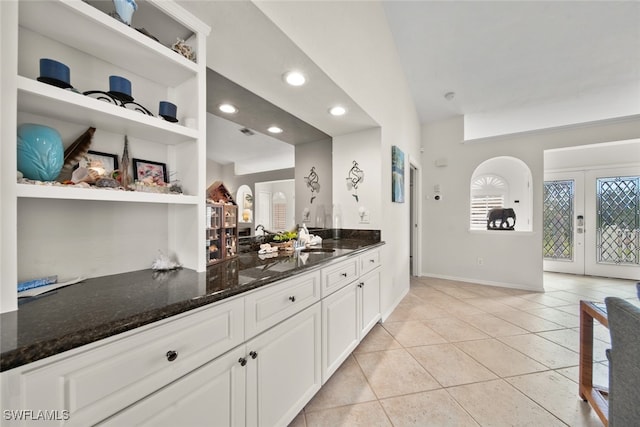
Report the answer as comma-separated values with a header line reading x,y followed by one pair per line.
x,y
109,161
146,168
397,175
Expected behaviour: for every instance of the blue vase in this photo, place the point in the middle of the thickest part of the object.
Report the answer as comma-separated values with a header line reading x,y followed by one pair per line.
x,y
125,9
40,152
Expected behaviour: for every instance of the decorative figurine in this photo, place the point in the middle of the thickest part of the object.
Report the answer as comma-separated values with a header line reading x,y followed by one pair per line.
x,y
125,178
503,217
184,49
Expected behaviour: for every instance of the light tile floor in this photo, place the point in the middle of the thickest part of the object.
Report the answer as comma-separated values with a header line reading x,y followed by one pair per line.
x,y
460,354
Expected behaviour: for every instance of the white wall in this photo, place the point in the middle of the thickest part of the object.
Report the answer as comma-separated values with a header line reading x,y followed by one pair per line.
x,y
351,42
510,258
623,153
364,148
581,108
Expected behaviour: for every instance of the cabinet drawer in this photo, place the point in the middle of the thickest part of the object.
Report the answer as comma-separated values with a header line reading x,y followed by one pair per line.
x,y
338,275
103,380
369,260
266,307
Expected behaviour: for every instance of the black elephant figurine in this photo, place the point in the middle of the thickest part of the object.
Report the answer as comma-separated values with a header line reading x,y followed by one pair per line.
x,y
503,215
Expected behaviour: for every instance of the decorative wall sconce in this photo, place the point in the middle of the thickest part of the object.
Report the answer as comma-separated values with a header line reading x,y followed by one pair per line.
x,y
313,183
354,178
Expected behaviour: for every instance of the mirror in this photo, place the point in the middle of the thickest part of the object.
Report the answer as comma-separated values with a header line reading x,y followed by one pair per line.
x,y
245,157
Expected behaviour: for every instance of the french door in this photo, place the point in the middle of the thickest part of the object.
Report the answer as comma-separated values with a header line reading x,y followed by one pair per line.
x,y
592,222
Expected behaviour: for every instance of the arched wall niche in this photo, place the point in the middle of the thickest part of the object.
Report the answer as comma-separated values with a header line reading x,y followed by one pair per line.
x,y
501,180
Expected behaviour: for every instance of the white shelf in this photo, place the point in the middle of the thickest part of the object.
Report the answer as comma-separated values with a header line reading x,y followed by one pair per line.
x,y
75,193
43,99
83,27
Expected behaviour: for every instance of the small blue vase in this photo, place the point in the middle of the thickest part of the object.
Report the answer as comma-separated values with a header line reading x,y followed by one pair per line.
x,y
40,152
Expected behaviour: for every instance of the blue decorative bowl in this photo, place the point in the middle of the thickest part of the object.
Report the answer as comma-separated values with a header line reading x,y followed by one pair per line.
x,y
40,152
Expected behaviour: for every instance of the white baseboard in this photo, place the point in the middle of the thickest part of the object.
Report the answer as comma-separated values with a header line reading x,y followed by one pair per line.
x,y
389,310
485,282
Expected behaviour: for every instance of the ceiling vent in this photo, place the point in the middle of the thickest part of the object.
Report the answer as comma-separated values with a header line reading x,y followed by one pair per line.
x,y
247,131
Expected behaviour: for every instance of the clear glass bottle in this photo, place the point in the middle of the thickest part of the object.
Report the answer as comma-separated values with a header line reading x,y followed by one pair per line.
x,y
337,220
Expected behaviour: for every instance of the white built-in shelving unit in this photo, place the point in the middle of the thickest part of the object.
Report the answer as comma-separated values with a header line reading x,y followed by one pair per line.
x,y
71,231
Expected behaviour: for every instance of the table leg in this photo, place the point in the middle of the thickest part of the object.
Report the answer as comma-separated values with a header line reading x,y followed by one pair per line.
x,y
586,354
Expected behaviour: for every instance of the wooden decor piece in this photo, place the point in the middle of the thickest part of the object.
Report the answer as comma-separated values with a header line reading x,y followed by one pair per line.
x,y
218,193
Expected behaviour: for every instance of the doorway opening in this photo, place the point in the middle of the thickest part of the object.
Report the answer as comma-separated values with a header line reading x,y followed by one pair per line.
x,y
414,215
591,211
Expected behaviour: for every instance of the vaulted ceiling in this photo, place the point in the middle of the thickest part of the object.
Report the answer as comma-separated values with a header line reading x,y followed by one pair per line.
x,y
496,55
493,55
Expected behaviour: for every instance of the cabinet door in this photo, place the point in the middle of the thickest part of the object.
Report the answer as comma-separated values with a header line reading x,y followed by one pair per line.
x,y
369,301
213,395
340,328
285,373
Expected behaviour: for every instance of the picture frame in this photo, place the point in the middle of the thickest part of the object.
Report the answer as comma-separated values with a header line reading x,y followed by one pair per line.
x,y
109,161
397,175
146,168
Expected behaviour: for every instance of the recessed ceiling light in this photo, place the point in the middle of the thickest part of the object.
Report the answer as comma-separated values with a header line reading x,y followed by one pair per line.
x,y
228,108
295,78
338,111
275,129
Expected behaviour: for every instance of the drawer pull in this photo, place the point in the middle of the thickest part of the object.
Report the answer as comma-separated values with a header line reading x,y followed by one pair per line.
x,y
344,274
361,284
242,361
292,298
253,354
372,260
172,355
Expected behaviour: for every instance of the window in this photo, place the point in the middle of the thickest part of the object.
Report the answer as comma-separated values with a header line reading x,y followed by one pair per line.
x,y
279,211
487,192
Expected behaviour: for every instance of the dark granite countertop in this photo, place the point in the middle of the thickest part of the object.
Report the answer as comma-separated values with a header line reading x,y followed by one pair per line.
x,y
101,307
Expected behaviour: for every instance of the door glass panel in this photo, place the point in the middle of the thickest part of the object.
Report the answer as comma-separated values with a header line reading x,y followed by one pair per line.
x,y
558,220
618,220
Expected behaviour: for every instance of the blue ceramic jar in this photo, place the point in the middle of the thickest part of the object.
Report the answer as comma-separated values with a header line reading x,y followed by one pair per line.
x,y
40,152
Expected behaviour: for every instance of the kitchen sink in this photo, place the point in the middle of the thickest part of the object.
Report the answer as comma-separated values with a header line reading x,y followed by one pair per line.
x,y
317,250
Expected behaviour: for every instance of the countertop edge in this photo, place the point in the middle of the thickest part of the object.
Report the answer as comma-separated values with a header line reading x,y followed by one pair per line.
x,y
21,356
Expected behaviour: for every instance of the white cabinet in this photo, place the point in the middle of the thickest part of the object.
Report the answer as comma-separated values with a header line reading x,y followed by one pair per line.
x,y
339,274
349,313
256,360
368,302
98,380
340,328
264,382
213,395
267,306
369,261
94,46
285,373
